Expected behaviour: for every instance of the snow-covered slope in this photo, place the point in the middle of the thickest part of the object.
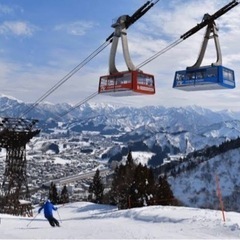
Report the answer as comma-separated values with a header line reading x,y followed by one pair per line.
x,y
83,220
203,185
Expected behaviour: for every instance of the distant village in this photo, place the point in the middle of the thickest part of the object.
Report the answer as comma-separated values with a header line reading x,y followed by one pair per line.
x,y
51,158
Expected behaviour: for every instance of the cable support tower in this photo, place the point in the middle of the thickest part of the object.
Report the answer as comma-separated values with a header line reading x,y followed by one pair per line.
x,y
15,133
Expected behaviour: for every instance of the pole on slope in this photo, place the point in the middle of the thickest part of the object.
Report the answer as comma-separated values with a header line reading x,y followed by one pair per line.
x,y
32,220
219,194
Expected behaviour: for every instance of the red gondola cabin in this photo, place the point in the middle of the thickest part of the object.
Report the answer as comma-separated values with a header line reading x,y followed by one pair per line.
x,y
127,83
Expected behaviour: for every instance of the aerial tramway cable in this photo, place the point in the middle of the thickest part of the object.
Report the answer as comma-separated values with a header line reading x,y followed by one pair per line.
x,y
79,104
69,75
193,30
169,47
138,14
189,33
129,21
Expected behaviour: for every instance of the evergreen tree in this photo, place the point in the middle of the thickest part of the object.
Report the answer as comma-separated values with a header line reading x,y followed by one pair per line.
x,y
122,183
130,161
164,195
143,187
64,197
53,194
96,188
132,186
118,188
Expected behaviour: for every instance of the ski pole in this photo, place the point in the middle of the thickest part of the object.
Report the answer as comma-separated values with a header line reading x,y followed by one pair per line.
x,y
59,216
32,220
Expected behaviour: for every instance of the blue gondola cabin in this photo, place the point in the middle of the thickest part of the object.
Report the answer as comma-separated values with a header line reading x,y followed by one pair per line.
x,y
204,78
127,84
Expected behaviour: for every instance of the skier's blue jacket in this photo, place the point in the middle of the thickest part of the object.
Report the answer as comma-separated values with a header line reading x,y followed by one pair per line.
x,y
47,208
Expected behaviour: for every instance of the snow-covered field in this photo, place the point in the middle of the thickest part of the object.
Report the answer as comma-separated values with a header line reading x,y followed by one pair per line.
x,y
84,220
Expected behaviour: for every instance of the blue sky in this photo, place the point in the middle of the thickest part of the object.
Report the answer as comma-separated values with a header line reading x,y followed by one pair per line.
x,y
42,42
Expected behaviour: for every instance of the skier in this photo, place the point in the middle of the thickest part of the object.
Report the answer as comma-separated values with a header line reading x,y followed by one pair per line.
x,y
48,207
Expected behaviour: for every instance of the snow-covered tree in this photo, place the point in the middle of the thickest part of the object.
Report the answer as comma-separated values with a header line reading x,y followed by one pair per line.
x,y
133,185
143,187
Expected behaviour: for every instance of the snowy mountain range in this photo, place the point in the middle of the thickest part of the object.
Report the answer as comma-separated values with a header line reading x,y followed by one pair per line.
x,y
179,129
94,133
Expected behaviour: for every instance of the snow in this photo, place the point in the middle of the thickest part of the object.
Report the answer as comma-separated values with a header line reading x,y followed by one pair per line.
x,y
84,220
142,157
59,160
198,188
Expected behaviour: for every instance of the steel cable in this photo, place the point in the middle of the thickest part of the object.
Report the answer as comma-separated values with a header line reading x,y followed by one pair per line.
x,y
66,77
164,50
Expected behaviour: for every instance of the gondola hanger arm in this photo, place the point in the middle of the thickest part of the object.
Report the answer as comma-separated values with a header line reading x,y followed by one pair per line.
x,y
210,19
135,16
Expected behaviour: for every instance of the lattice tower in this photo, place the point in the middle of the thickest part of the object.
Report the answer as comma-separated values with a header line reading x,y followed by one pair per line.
x,y
15,133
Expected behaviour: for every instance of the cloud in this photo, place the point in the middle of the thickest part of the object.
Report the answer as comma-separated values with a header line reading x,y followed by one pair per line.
x,y
78,28
18,28
11,10
5,10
